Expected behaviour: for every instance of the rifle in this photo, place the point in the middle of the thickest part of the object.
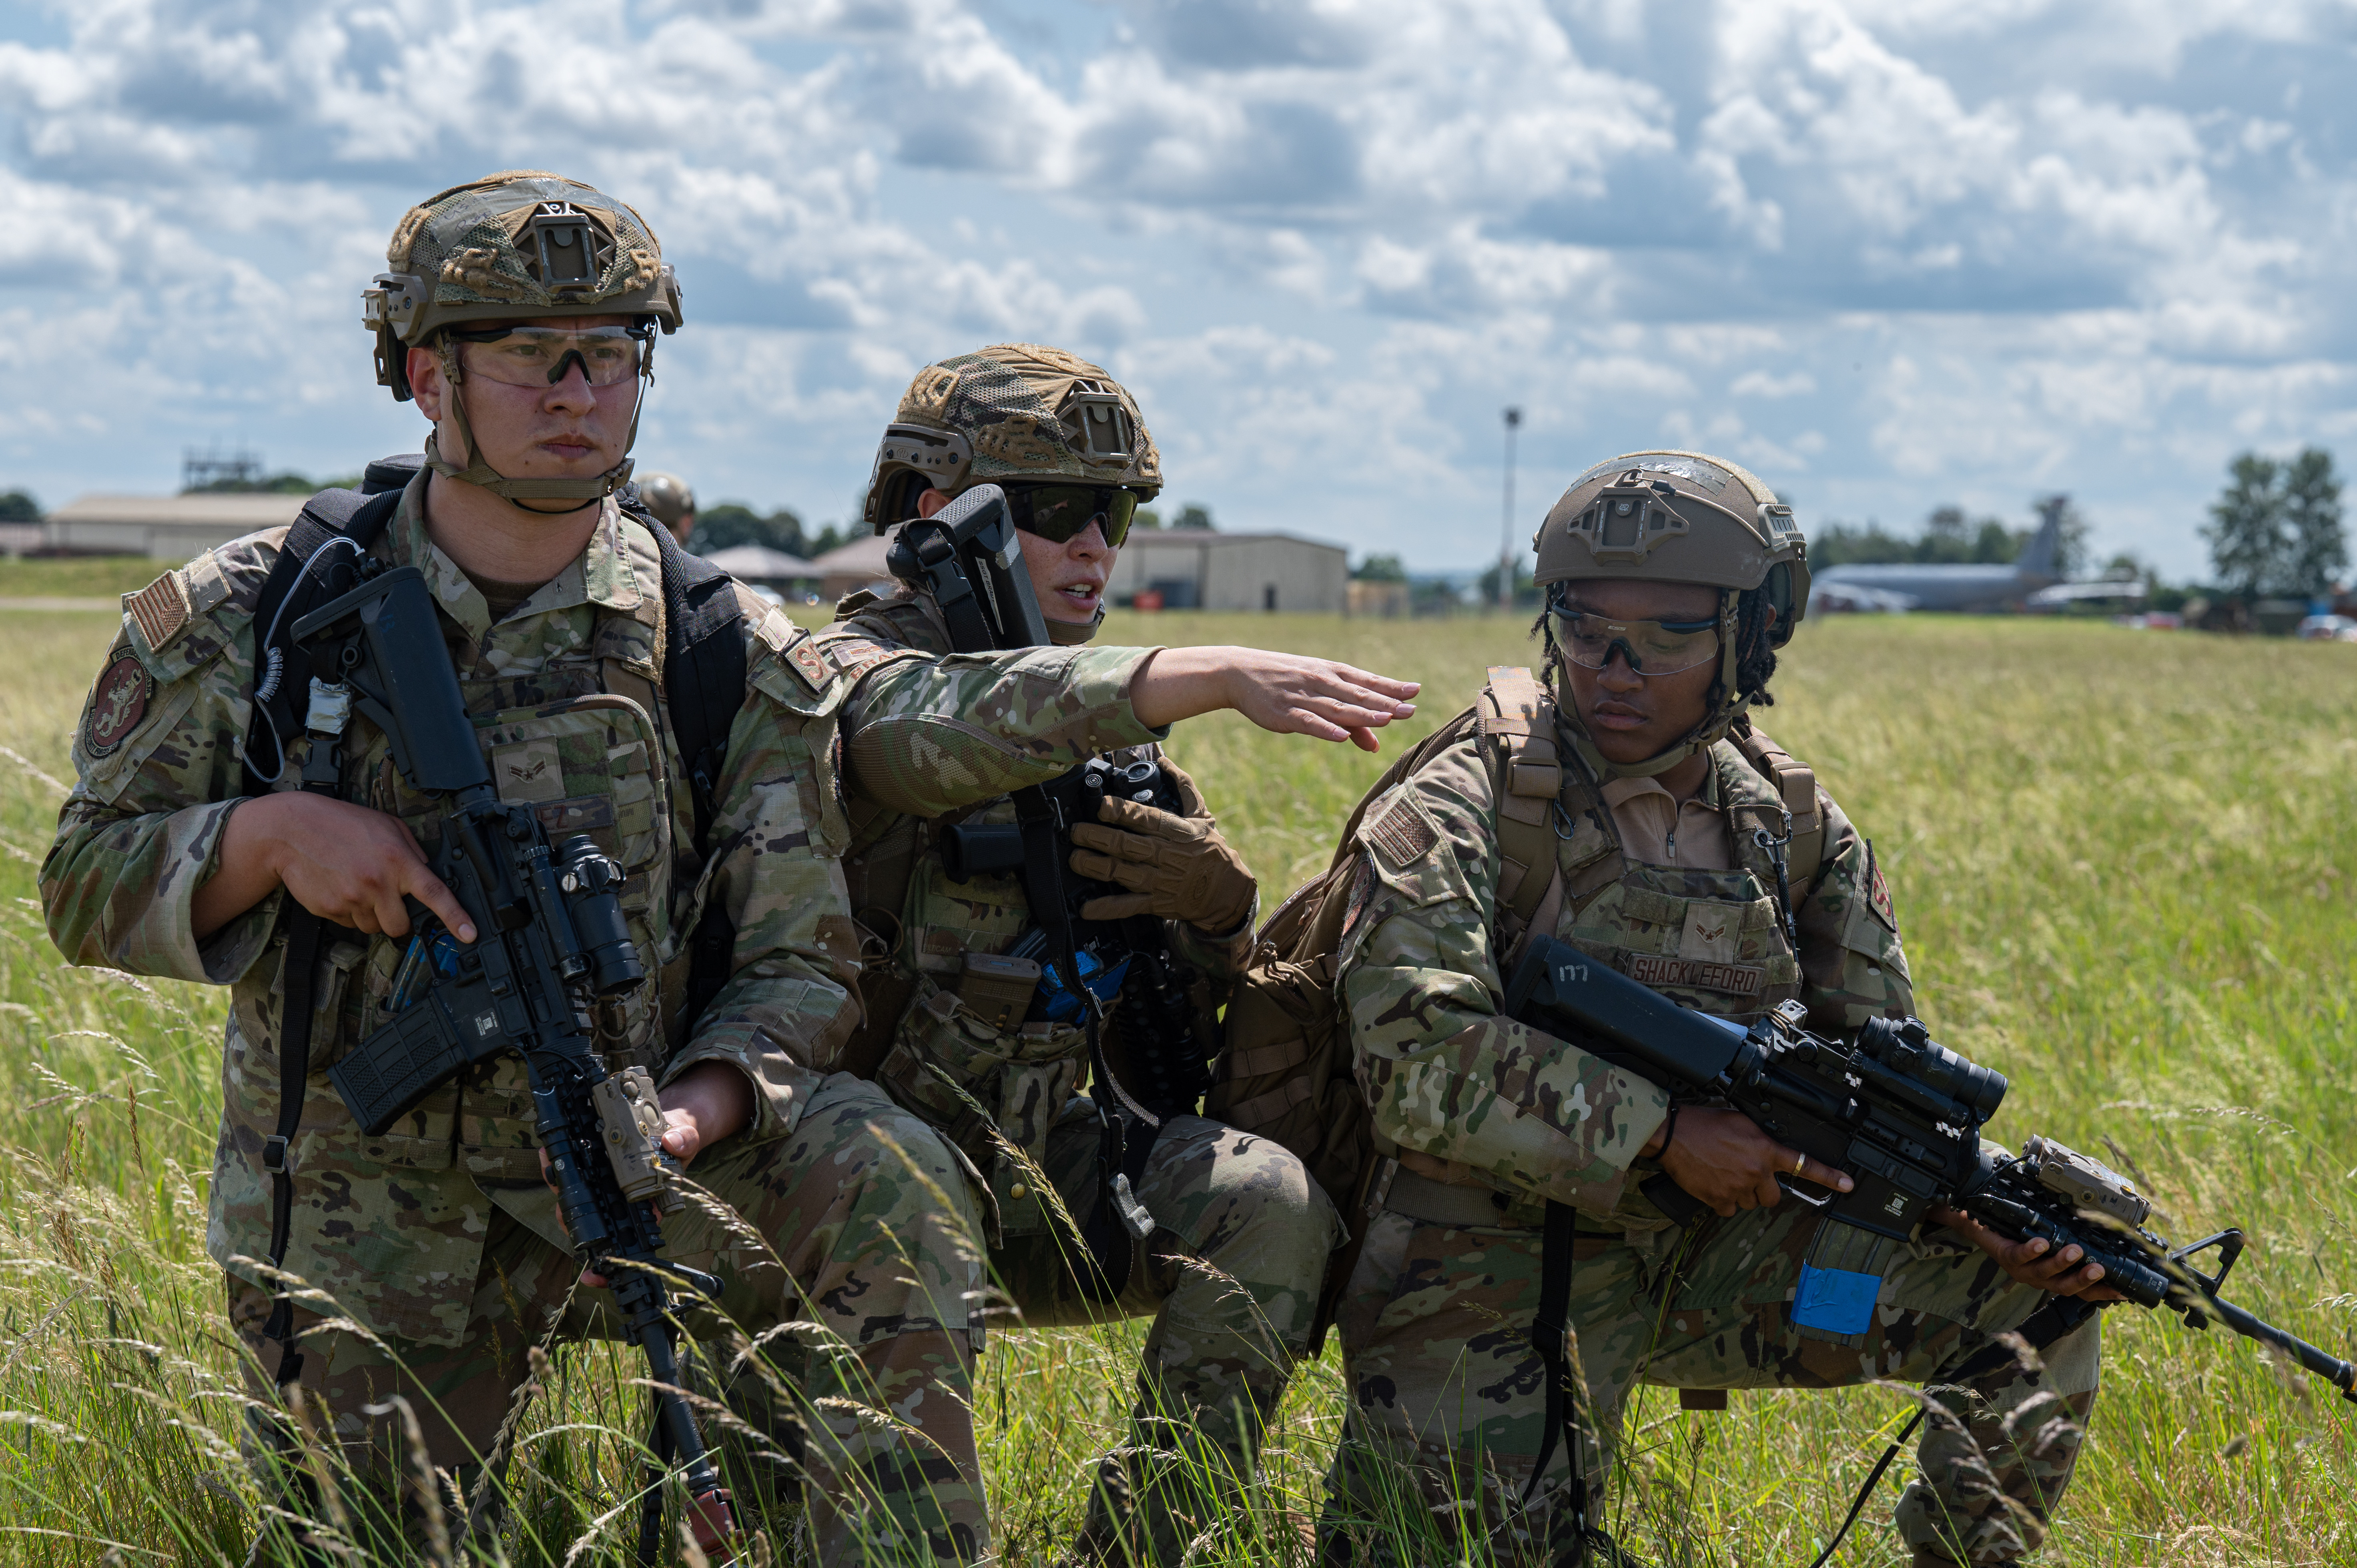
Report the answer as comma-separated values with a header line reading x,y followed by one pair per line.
x,y
1902,1115
551,938
967,555
1156,1025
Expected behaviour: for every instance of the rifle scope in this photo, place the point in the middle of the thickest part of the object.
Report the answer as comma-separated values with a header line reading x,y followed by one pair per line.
x,y
590,882
1907,1048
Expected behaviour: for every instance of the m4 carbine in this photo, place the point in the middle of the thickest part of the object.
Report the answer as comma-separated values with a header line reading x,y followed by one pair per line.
x,y
1902,1115
549,939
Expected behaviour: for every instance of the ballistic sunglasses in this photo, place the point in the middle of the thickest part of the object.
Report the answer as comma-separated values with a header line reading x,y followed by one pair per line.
x,y
543,356
1058,512
1651,647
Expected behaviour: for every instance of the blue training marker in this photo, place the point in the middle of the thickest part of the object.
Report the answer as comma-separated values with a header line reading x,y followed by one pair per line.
x,y
1835,1301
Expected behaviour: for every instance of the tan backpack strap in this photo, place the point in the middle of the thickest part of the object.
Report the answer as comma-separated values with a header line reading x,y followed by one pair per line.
x,y
1517,719
1798,786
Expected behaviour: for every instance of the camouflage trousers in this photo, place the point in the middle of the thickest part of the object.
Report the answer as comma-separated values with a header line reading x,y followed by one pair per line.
x,y
1230,1275
1436,1325
843,1343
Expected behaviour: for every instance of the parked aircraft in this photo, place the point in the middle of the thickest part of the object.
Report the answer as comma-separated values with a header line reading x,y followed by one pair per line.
x,y
1935,588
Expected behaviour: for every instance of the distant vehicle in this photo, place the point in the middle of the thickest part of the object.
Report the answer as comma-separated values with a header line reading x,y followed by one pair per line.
x,y
2326,629
1960,588
2151,620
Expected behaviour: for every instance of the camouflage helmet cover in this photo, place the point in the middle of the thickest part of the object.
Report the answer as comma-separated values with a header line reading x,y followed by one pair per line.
x,y
1678,517
1009,411
513,245
667,496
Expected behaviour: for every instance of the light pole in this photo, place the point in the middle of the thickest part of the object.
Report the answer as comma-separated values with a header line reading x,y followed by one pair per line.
x,y
1506,552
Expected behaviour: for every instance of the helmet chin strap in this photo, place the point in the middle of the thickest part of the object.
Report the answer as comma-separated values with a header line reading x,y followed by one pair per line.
x,y
483,475
1709,733
1072,633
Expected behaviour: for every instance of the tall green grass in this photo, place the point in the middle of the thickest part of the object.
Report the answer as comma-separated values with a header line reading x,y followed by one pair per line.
x,y
2123,866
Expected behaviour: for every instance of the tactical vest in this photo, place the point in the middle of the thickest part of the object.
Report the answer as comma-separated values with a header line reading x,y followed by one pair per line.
x,y
952,1051
582,741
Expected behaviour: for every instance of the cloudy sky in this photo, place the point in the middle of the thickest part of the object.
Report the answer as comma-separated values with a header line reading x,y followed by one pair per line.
x,y
1888,252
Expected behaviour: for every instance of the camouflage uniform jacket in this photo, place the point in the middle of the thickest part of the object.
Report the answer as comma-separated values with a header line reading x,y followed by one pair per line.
x,y
931,737
1463,1094
565,694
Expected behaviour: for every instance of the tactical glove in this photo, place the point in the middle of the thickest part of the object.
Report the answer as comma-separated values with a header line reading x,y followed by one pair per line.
x,y
1176,867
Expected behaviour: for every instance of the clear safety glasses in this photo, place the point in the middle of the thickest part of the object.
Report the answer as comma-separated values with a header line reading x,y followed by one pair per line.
x,y
543,356
1058,512
1651,647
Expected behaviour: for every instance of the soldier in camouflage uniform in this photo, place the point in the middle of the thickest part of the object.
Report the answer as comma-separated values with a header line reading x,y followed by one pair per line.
x,y
1231,1241
1629,808
845,1231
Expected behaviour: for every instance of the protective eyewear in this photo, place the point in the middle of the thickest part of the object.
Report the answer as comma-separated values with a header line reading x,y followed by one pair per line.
x,y
544,356
1651,647
1061,512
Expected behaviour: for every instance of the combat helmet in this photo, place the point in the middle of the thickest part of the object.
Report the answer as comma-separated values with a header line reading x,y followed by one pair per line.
x,y
1007,411
667,496
509,247
1679,517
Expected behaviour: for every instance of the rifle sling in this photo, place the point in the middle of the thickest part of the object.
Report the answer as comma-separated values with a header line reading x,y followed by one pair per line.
x,y
328,515
1123,1140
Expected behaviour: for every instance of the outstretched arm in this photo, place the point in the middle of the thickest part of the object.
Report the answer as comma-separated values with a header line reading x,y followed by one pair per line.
x,y
1286,693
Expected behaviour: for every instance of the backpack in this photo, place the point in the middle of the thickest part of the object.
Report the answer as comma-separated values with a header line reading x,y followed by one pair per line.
x,y
1284,1069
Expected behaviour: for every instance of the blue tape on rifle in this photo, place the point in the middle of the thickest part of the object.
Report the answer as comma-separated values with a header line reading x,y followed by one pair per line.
x,y
1835,1301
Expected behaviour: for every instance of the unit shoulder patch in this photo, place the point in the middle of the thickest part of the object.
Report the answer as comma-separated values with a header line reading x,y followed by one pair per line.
x,y
1877,891
117,706
160,609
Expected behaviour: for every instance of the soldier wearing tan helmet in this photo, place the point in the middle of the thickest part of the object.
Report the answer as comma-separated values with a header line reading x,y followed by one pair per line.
x,y
521,312
1223,1239
1625,803
671,501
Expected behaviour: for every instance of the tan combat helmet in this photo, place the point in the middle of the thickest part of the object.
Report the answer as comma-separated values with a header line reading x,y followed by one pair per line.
x,y
1679,516
668,497
1011,411
511,247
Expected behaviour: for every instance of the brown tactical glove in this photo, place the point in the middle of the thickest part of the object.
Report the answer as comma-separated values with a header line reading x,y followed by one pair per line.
x,y
1178,867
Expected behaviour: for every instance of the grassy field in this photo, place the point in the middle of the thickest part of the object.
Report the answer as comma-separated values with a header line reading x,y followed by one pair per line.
x,y
78,577
2124,867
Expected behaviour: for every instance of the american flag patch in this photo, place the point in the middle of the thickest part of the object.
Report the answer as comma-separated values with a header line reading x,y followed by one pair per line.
x,y
161,610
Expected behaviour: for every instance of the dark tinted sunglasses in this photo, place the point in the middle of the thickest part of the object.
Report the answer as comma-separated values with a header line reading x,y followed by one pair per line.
x,y
1058,512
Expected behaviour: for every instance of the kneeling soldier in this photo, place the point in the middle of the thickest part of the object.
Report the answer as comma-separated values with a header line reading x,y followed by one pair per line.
x,y
1628,807
1220,1237
208,840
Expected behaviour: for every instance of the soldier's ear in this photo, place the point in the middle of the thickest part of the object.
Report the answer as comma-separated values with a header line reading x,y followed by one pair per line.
x,y
931,501
426,382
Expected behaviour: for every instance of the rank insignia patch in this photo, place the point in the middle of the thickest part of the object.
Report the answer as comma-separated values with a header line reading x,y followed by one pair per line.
x,y
120,704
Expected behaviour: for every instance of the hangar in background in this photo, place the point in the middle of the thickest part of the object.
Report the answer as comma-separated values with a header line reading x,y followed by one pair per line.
x,y
1196,569
168,528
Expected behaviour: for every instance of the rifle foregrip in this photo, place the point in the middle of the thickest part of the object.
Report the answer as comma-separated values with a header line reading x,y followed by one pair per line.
x,y
402,1063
